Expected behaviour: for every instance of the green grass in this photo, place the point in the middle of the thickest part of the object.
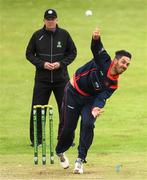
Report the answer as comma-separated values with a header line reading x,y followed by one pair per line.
x,y
121,133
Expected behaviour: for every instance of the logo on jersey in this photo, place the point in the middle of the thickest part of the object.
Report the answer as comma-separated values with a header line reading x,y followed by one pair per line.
x,y
59,45
97,85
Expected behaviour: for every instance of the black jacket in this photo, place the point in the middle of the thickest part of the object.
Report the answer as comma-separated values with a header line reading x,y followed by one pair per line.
x,y
51,46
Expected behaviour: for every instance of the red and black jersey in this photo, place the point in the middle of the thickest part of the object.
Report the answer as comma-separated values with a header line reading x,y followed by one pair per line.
x,y
93,78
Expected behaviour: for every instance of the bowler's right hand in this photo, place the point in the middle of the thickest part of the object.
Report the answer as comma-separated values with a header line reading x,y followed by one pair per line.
x,y
96,34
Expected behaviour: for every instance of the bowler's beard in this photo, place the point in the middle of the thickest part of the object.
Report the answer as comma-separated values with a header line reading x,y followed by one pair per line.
x,y
119,70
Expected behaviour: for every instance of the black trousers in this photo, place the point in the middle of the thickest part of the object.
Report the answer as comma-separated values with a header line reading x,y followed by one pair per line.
x,y
74,105
41,95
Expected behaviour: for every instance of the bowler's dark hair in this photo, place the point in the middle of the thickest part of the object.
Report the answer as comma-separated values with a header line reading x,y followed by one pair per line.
x,y
120,53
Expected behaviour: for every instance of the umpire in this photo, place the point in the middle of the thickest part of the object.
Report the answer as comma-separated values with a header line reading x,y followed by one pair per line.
x,y
50,49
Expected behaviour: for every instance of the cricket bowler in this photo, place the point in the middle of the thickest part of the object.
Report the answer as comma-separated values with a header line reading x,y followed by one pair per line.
x,y
85,95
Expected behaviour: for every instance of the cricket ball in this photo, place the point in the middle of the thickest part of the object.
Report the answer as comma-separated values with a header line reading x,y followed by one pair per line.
x,y
88,13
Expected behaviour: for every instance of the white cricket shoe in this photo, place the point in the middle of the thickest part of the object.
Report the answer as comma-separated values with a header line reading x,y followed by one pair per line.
x,y
78,166
63,160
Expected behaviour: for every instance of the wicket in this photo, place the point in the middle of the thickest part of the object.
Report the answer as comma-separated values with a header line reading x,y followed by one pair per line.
x,y
43,122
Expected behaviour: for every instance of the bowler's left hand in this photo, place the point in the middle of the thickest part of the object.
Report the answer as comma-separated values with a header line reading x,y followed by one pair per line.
x,y
96,111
